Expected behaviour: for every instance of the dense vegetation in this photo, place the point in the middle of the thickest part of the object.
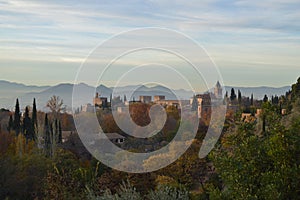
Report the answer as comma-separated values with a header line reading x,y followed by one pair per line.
x,y
254,159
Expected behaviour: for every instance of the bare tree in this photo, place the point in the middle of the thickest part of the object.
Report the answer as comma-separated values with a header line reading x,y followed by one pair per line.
x,y
55,104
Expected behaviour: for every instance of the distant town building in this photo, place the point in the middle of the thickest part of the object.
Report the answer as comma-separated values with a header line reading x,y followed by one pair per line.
x,y
159,98
88,108
204,104
207,100
145,99
175,103
218,91
99,101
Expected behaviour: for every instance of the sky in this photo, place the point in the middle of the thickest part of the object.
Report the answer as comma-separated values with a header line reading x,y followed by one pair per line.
x,y
253,43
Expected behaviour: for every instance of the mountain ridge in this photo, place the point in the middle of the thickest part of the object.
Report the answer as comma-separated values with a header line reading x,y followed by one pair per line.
x,y
26,93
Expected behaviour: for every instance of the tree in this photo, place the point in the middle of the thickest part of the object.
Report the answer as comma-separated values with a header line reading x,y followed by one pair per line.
x,y
232,95
34,117
276,100
10,123
265,98
252,100
239,97
55,104
125,99
17,118
259,166
27,126
59,133
296,90
47,137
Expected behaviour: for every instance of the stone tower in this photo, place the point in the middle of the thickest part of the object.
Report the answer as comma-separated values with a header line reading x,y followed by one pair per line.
x,y
218,90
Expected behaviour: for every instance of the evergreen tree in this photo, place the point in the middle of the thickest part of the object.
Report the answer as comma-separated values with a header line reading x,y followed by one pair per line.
x,y
17,118
265,98
56,131
232,95
59,133
295,90
27,125
47,139
276,100
239,97
52,140
252,100
34,117
10,124
125,99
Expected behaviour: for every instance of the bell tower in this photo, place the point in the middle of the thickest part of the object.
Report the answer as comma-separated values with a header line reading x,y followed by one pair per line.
x,y
218,90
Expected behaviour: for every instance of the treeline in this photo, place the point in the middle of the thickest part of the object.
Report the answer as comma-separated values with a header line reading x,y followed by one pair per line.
x,y
47,133
25,125
249,162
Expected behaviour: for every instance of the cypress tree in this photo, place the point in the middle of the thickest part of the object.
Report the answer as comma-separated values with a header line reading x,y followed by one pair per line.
x,y
27,125
47,140
232,95
276,100
265,98
17,118
52,140
34,114
59,133
239,97
252,101
56,136
10,123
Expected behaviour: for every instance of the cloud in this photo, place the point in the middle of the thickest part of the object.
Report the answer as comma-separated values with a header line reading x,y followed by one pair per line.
x,y
63,31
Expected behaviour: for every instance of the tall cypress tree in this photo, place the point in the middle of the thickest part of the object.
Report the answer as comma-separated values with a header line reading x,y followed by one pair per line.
x,y
10,124
34,116
56,131
59,133
252,101
239,97
232,95
27,125
47,139
265,98
17,118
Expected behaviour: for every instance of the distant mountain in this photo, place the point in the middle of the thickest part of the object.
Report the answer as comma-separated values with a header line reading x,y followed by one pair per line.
x,y
65,90
10,91
259,92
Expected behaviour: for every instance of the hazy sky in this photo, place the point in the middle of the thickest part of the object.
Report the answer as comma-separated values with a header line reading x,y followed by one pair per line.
x,y
253,42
